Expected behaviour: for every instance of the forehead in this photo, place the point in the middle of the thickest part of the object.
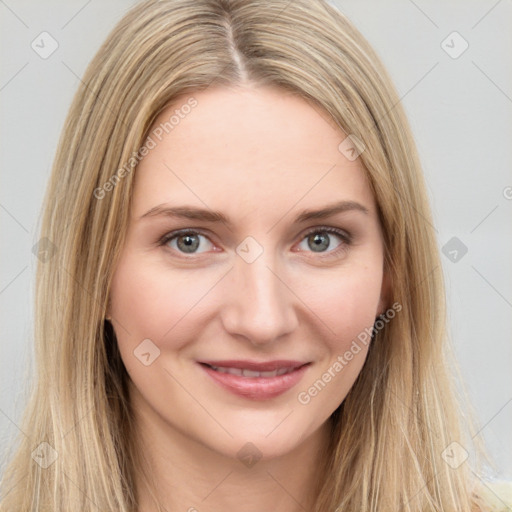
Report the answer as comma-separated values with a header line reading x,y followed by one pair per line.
x,y
260,147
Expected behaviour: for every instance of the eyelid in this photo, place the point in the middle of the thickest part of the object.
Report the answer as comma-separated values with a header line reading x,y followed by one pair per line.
x,y
171,235
330,229
345,236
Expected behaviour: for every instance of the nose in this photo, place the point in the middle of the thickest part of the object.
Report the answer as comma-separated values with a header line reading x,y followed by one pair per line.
x,y
259,304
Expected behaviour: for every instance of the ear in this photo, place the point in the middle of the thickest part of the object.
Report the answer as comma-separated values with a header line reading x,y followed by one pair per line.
x,y
385,293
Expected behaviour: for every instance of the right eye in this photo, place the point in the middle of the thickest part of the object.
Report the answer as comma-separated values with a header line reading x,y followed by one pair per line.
x,y
185,241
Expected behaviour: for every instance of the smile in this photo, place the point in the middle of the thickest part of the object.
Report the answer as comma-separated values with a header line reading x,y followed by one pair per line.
x,y
244,372
253,380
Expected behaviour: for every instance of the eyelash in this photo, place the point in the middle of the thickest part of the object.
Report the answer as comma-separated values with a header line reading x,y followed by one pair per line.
x,y
346,240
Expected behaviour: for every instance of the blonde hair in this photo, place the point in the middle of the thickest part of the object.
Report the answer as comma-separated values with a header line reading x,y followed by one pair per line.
x,y
390,432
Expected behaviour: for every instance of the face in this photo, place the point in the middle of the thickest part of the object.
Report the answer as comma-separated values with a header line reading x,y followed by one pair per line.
x,y
234,304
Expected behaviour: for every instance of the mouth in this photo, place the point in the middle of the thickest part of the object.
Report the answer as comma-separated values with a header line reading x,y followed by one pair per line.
x,y
256,380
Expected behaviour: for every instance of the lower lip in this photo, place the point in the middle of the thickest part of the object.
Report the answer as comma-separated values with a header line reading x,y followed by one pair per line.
x,y
256,388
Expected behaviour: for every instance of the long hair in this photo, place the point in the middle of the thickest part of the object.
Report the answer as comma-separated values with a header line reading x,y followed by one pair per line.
x,y
390,434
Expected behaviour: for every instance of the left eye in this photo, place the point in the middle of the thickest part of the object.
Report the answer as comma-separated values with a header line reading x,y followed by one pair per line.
x,y
319,240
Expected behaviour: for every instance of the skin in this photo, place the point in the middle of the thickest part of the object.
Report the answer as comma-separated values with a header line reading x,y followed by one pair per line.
x,y
261,156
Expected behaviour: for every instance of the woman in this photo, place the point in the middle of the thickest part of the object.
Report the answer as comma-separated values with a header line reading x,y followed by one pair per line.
x,y
245,305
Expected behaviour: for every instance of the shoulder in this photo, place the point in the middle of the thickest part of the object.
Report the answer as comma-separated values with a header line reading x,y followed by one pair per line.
x,y
495,496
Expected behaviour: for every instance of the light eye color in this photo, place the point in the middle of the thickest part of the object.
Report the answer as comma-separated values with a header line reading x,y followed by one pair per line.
x,y
187,241
321,239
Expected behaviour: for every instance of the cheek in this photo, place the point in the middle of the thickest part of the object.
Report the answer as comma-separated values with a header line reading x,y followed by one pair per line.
x,y
347,302
149,301
142,301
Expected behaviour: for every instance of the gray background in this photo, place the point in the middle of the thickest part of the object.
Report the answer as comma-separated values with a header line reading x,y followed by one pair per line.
x,y
460,110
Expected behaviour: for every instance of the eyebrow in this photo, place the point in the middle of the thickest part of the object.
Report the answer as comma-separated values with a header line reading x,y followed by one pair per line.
x,y
201,214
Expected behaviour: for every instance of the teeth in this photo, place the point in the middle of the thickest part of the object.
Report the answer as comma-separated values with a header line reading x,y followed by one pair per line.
x,y
251,373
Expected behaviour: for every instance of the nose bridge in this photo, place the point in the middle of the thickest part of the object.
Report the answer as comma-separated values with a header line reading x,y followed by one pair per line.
x,y
260,306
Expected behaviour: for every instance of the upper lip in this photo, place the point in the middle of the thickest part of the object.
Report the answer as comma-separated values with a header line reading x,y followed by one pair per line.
x,y
257,366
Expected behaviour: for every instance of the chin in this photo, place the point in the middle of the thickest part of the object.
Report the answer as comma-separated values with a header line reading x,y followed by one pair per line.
x,y
260,436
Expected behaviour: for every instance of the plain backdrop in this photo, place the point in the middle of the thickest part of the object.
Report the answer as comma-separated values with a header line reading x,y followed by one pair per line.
x,y
457,91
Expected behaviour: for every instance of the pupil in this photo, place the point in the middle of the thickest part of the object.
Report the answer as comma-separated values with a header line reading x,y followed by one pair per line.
x,y
190,243
320,241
